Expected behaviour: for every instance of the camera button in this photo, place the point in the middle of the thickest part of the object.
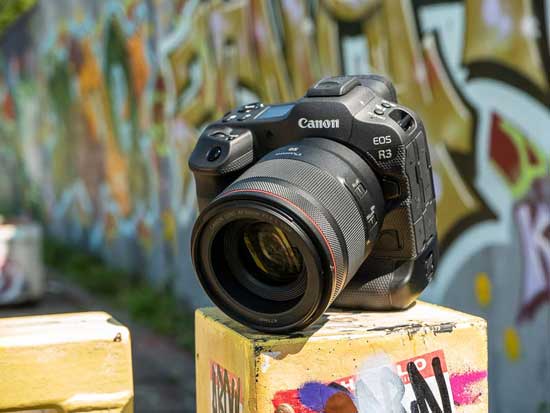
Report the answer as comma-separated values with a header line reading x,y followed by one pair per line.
x,y
379,112
251,106
390,189
224,136
230,118
389,241
244,116
219,135
385,104
213,154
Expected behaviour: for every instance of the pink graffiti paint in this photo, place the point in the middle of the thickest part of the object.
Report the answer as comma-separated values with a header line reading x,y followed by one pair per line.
x,y
461,386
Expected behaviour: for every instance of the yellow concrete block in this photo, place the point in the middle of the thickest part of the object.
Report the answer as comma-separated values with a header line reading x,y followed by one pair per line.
x,y
425,359
65,363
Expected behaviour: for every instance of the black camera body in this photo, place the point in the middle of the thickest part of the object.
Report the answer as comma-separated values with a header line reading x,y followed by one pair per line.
x,y
334,195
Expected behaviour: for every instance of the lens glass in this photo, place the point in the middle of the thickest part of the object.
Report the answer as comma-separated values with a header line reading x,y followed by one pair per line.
x,y
269,255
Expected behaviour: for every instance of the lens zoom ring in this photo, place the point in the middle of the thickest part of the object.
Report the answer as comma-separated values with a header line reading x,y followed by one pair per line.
x,y
286,178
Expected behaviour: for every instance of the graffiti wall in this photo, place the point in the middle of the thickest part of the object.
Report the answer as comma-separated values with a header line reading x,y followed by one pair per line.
x,y
101,102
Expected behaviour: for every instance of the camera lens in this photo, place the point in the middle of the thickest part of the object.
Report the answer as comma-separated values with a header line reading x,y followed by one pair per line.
x,y
279,244
262,256
269,254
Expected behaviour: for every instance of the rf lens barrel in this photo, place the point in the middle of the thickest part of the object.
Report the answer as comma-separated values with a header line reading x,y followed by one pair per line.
x,y
278,245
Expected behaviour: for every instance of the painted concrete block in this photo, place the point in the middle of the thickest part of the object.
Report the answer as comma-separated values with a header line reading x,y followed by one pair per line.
x,y
425,359
65,363
22,276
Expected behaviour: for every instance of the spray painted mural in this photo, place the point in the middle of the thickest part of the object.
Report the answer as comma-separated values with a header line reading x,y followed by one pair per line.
x,y
100,104
420,384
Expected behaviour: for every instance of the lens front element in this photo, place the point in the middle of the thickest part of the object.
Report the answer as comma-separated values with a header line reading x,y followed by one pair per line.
x,y
270,255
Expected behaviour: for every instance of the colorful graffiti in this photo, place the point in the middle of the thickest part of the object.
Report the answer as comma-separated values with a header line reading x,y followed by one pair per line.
x,y
414,385
226,395
100,104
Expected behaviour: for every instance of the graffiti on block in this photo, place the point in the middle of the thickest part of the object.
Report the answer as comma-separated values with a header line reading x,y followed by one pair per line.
x,y
226,393
427,383
419,384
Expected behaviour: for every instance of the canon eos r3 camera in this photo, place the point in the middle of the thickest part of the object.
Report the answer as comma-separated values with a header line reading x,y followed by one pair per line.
x,y
328,200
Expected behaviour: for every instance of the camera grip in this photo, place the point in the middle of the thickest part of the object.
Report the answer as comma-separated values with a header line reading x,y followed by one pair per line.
x,y
382,284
